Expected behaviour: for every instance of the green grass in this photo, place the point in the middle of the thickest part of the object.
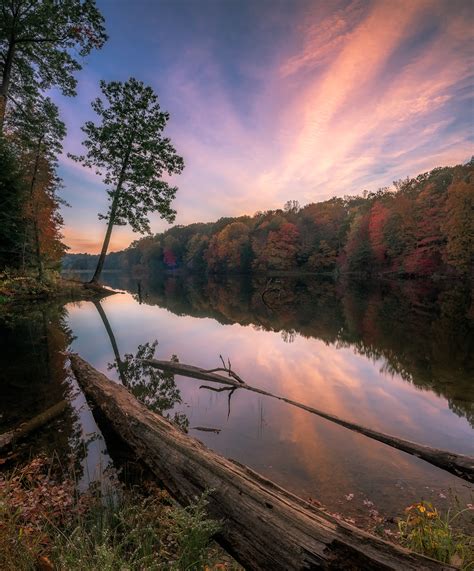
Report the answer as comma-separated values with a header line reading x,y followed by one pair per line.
x,y
45,524
437,535
136,533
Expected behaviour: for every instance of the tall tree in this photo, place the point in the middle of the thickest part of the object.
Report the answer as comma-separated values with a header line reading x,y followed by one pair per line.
x,y
39,133
40,41
13,193
128,150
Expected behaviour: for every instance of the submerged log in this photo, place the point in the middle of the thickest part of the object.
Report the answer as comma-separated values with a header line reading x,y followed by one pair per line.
x,y
457,464
263,526
8,439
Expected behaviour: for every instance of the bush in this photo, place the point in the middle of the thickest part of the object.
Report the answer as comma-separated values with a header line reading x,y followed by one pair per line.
x,y
431,533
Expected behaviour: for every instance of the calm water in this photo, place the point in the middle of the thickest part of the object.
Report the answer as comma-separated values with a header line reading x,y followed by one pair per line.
x,y
397,358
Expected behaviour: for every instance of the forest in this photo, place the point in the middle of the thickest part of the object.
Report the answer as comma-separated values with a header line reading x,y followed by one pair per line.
x,y
341,436
422,226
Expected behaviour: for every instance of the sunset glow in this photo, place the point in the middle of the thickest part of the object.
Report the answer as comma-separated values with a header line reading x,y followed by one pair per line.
x,y
269,101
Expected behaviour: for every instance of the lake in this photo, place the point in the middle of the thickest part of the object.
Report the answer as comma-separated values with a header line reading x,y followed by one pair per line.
x,y
396,357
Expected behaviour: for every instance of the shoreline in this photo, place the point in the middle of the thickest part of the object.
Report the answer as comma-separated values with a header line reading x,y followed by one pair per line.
x,y
23,289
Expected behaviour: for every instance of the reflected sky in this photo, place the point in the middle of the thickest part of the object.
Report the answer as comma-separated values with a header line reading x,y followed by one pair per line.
x,y
306,454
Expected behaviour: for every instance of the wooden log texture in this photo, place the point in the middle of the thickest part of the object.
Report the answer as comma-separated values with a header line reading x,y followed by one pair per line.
x,y
8,439
263,526
457,464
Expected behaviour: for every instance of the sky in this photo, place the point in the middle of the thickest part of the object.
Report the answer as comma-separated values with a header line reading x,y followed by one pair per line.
x,y
272,100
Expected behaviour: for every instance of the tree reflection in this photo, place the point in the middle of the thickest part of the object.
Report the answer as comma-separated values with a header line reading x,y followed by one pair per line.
x,y
155,389
33,371
421,331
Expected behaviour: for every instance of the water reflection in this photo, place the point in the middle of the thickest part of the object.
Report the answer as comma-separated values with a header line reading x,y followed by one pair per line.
x,y
421,331
33,369
397,358
156,389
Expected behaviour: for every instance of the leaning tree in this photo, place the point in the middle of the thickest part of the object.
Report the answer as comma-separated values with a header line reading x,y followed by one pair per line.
x,y
127,148
41,44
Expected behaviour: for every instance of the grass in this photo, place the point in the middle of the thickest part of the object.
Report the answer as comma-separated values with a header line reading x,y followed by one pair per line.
x,y
435,534
45,524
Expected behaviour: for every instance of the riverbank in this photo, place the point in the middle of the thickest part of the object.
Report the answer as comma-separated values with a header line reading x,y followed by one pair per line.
x,y
16,288
287,531
45,523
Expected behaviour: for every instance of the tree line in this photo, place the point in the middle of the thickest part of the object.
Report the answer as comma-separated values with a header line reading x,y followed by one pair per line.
x,y
421,226
42,44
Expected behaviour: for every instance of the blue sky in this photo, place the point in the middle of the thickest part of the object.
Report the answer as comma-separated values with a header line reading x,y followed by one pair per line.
x,y
277,100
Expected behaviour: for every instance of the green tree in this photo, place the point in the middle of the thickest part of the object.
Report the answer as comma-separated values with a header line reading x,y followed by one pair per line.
x,y
358,250
128,150
13,193
195,253
459,225
41,42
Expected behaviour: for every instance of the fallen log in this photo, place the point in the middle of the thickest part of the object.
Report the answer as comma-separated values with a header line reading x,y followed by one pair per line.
x,y
457,464
8,439
263,526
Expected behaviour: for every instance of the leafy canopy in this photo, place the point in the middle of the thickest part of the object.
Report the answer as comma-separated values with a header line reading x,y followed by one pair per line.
x,y
127,149
38,127
41,42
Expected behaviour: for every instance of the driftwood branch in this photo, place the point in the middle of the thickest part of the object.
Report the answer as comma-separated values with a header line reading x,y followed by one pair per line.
x,y
263,526
458,464
227,369
8,439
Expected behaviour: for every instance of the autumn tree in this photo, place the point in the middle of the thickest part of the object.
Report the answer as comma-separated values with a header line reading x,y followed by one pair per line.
x,y
128,150
229,249
41,45
322,228
421,226
379,215
428,193
459,225
170,247
281,248
38,134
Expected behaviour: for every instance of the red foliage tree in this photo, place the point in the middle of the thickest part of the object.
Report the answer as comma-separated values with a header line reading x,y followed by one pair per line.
x,y
169,258
378,218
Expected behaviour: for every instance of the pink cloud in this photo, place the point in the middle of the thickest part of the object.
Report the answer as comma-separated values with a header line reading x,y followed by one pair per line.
x,y
349,108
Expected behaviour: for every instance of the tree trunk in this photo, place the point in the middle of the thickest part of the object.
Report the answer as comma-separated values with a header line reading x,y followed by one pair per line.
x,y
39,260
8,439
458,464
5,85
35,214
263,526
110,225
108,234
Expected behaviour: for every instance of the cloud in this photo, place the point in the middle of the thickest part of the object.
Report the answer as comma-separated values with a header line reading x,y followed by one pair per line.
x,y
323,36
356,95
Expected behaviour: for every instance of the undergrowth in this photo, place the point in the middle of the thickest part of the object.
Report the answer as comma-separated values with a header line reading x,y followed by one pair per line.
x,y
435,534
16,284
45,524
